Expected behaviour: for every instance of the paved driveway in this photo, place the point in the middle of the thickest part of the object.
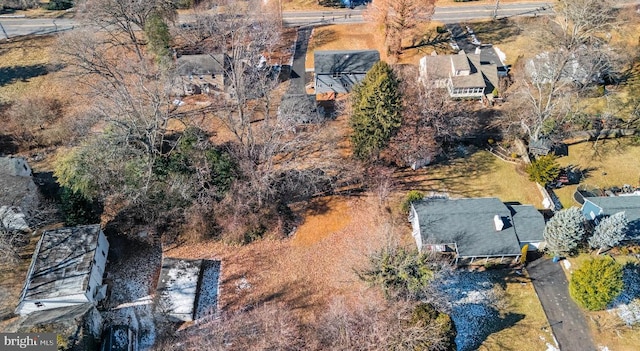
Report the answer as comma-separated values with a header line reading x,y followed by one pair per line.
x,y
297,84
565,317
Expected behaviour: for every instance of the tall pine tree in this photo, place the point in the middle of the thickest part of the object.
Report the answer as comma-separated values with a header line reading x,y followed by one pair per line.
x,y
377,109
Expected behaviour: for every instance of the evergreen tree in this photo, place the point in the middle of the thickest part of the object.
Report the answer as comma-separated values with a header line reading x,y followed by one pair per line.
x,y
609,232
564,231
596,283
376,112
543,170
158,37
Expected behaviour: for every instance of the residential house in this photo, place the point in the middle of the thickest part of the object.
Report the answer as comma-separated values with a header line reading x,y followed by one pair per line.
x,y
475,228
336,72
187,289
577,67
66,269
202,74
598,207
463,75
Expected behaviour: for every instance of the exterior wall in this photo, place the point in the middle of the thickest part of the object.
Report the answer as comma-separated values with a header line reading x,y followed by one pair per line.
x,y
590,210
28,306
533,245
415,224
98,267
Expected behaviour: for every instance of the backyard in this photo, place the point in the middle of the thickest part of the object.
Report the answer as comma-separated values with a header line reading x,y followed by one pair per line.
x,y
603,164
475,173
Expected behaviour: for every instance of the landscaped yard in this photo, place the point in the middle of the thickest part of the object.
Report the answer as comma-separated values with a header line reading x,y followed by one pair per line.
x,y
608,327
479,174
608,163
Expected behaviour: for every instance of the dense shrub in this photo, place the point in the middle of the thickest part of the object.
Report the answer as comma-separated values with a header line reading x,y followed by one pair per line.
x,y
59,4
543,169
596,283
77,209
413,195
402,273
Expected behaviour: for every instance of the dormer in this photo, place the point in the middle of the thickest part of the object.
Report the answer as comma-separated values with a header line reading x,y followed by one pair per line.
x,y
460,64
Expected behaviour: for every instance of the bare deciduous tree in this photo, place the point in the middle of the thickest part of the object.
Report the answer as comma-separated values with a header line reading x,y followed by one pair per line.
x,y
398,18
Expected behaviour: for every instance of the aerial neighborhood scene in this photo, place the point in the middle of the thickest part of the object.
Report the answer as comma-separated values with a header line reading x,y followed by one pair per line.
x,y
320,175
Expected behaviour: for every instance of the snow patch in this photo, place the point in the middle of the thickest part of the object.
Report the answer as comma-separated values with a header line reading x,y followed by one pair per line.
x,y
566,264
552,348
501,54
473,302
627,305
603,348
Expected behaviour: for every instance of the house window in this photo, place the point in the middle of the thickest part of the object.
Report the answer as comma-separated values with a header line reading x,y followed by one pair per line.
x,y
336,75
39,304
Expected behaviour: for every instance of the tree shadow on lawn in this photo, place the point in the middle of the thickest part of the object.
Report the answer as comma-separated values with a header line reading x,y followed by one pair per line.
x,y
323,36
455,175
495,32
12,74
487,326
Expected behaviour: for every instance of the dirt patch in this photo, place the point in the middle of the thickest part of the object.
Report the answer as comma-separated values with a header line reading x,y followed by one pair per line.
x,y
323,218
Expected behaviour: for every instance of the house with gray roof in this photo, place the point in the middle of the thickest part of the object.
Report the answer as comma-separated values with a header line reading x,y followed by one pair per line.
x,y
66,269
187,289
19,195
475,228
202,74
598,207
338,71
463,75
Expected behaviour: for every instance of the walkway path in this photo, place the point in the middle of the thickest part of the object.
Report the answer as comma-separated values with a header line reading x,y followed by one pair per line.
x,y
565,317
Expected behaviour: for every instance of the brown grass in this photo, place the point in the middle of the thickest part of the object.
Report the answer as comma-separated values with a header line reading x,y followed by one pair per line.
x,y
307,270
359,36
521,299
612,163
478,175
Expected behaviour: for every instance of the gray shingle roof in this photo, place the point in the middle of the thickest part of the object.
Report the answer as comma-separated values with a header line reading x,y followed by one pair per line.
x,y
469,223
62,263
338,71
528,222
198,65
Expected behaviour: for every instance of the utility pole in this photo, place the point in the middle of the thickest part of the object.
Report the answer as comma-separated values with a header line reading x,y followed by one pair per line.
x,y
495,10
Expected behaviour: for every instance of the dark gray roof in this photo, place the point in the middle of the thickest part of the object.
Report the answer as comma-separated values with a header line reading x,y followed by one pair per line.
x,y
62,262
528,222
338,71
198,65
630,205
469,223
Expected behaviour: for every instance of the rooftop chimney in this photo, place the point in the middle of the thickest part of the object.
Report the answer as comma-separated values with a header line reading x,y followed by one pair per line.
x,y
498,222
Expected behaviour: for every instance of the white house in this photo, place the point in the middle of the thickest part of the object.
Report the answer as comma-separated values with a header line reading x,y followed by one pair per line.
x,y
66,269
463,75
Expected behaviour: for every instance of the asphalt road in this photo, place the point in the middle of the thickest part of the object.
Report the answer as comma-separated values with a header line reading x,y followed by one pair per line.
x,y
565,318
16,26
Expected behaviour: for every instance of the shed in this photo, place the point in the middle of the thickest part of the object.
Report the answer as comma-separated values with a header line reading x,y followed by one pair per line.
x,y
188,289
66,269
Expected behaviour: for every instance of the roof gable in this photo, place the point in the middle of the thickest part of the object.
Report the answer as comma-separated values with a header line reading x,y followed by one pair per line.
x,y
610,205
